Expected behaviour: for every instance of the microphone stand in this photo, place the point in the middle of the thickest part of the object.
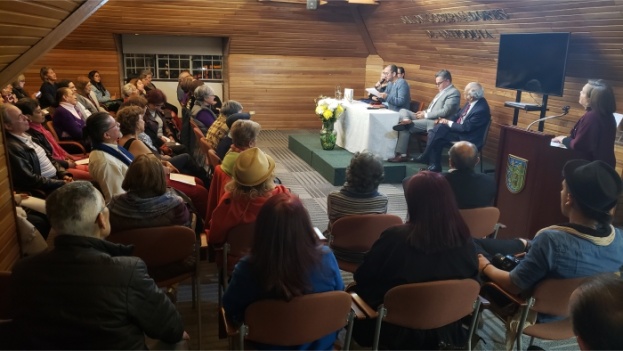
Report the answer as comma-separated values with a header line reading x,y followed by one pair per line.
x,y
565,111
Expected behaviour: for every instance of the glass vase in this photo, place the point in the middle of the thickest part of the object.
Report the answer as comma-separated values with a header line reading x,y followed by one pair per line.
x,y
328,135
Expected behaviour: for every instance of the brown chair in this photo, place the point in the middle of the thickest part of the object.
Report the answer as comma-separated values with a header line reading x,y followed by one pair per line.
x,y
425,306
302,320
354,235
171,254
482,221
71,147
416,106
201,140
237,245
213,159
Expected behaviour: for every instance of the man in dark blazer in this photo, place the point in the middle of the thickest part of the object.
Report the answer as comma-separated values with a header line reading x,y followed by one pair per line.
x,y
471,189
469,124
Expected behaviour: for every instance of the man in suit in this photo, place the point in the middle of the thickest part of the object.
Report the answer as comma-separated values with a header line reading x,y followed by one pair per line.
x,y
469,124
471,189
444,105
397,95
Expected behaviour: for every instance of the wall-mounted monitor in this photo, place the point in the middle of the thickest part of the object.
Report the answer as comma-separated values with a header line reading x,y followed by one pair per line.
x,y
533,62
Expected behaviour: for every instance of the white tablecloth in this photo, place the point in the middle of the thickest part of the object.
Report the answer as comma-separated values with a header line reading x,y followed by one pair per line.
x,y
360,129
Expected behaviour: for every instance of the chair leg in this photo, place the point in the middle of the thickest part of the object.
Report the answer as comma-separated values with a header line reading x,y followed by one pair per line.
x,y
472,324
349,330
382,312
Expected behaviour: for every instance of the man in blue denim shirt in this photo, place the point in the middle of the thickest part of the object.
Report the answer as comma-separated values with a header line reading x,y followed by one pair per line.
x,y
585,246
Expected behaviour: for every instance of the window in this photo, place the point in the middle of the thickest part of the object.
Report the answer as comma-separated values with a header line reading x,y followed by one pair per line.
x,y
168,67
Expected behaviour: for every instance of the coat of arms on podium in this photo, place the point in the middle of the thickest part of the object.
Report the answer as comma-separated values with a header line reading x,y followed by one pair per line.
x,y
516,170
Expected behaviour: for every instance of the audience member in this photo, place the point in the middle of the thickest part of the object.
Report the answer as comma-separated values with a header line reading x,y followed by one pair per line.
x,y
597,313
68,121
141,102
127,91
397,95
251,186
434,244
147,201
18,87
88,293
471,189
86,96
31,167
586,246
157,126
32,213
81,109
145,77
140,87
48,88
181,95
7,95
218,104
401,72
444,105
594,134
286,261
108,162
185,86
30,108
103,96
218,130
201,112
469,124
243,134
223,146
360,194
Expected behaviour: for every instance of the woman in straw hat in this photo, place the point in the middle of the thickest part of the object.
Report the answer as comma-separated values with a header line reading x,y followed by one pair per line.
x,y
251,185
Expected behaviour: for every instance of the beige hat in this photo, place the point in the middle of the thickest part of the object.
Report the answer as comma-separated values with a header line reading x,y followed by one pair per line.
x,y
253,167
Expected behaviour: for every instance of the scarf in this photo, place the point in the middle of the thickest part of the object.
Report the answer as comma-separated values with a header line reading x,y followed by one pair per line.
x,y
599,241
119,153
130,205
58,153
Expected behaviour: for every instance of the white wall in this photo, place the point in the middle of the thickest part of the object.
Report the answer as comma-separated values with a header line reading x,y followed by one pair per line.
x,y
176,45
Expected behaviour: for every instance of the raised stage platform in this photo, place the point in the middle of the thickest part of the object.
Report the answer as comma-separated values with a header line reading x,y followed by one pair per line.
x,y
332,164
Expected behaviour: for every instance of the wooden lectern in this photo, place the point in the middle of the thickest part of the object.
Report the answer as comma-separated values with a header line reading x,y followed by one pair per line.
x,y
529,181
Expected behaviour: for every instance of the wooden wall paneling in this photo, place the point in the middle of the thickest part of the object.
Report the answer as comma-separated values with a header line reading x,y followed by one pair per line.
x,y
374,67
281,89
9,244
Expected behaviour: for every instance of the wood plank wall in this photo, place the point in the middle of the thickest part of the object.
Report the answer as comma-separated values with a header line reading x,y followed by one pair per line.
x,y
9,246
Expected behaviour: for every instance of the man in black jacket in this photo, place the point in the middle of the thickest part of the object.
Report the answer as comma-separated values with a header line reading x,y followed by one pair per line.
x,y
32,167
471,189
87,293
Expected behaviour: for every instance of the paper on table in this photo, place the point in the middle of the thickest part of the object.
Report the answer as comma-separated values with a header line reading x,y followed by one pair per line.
x,y
182,178
84,161
373,91
557,144
319,234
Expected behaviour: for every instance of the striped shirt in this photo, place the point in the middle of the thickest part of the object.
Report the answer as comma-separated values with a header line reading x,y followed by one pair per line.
x,y
344,203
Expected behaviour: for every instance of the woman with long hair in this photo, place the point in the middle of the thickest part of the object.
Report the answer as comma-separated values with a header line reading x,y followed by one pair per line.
x,y
594,133
103,95
286,261
86,96
48,87
434,244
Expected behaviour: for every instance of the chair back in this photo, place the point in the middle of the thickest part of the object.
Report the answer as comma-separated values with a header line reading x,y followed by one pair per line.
x,y
481,221
415,106
357,233
238,244
213,158
158,246
50,127
551,296
432,304
484,138
203,143
299,321
216,191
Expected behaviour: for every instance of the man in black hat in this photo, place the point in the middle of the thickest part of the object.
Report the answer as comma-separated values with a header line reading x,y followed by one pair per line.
x,y
585,246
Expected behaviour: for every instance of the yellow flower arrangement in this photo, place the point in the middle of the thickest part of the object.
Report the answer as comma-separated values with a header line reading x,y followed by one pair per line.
x,y
328,109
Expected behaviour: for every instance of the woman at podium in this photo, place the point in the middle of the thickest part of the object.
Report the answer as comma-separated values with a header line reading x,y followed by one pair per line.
x,y
595,132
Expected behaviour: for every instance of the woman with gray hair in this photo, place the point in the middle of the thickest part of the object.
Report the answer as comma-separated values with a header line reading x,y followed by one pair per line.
x,y
360,193
201,112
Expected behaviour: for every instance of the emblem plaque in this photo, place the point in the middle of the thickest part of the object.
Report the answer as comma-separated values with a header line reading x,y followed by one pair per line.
x,y
516,170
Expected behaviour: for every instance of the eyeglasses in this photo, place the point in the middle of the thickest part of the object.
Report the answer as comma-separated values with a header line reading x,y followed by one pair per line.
x,y
439,83
115,126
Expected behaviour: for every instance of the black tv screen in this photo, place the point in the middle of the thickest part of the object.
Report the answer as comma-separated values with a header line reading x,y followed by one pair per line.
x,y
533,62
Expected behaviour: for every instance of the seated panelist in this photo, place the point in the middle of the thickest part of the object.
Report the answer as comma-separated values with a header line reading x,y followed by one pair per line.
x,y
469,124
444,105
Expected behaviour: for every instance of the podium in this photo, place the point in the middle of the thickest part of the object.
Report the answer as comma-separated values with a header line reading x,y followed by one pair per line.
x,y
529,181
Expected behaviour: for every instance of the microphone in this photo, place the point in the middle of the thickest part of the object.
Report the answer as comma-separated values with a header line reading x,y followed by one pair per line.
x,y
565,111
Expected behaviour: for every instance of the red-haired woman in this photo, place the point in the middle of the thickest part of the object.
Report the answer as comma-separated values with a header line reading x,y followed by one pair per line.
x,y
434,244
286,261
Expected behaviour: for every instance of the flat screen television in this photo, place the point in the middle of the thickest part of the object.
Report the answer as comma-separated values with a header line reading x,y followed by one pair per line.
x,y
533,62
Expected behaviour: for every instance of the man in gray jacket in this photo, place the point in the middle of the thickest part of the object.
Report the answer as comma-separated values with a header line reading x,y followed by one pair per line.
x,y
87,293
445,104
